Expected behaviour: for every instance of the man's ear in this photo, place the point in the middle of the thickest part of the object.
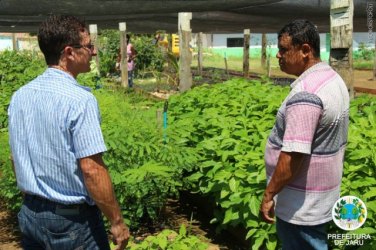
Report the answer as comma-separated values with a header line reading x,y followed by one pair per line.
x,y
68,53
306,49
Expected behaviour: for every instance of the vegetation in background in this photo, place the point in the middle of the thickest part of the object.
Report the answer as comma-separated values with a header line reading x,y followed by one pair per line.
x,y
149,57
109,50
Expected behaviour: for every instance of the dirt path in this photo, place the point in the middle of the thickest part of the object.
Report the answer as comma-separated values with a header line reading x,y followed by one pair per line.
x,y
9,235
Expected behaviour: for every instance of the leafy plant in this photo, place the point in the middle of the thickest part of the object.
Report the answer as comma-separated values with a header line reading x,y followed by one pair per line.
x,y
170,240
227,124
145,190
146,171
109,48
9,192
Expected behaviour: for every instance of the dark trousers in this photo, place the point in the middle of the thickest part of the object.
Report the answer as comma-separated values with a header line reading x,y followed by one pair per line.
x,y
49,225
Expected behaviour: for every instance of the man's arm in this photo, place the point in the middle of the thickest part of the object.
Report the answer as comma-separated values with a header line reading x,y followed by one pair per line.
x,y
288,166
98,183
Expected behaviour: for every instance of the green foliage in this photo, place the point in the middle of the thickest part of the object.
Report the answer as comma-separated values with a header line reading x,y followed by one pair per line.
x,y
144,190
364,53
228,124
360,161
149,56
109,48
16,69
9,192
170,240
90,79
145,170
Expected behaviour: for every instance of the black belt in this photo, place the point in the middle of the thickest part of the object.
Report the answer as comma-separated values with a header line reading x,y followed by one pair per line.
x,y
61,209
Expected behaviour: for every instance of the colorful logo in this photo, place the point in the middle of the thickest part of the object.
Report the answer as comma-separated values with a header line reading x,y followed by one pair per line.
x,y
349,213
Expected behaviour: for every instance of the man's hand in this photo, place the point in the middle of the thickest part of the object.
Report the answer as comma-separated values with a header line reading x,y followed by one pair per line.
x,y
120,234
267,211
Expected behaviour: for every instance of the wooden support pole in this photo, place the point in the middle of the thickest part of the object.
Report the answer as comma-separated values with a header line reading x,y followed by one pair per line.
x,y
199,53
341,33
247,38
264,43
185,75
123,55
93,29
14,42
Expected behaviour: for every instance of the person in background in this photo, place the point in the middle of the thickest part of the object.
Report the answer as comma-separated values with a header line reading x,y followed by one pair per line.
x,y
57,145
305,150
131,55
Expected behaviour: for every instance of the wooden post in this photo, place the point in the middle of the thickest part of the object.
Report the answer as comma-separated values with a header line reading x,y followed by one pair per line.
x,y
123,55
199,53
263,50
247,36
341,31
185,75
226,65
14,42
94,40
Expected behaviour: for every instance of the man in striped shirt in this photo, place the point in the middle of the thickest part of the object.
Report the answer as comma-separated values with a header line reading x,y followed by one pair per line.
x,y
56,143
305,150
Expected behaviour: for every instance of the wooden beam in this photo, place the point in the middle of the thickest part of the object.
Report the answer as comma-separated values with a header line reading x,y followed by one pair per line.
x,y
185,58
247,38
341,33
123,54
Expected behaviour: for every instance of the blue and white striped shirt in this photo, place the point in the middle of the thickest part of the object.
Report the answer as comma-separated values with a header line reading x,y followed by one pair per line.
x,y
53,122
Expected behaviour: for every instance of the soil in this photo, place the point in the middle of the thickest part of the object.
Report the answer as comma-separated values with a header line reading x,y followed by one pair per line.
x,y
9,234
176,213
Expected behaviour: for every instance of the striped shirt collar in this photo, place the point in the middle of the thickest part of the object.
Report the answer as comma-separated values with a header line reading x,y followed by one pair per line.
x,y
54,71
309,71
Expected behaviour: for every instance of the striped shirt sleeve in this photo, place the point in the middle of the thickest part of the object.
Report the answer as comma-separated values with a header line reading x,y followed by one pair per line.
x,y
86,131
303,113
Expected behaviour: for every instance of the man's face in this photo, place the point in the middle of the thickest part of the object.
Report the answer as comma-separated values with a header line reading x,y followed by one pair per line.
x,y
290,57
84,53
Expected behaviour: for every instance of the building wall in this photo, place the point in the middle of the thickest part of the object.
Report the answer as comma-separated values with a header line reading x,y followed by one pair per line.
x,y
23,41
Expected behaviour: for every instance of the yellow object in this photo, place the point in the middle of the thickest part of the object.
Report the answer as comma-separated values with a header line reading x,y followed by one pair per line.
x,y
163,42
175,45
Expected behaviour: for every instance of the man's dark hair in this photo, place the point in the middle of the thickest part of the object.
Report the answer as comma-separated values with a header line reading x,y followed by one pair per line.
x,y
55,33
303,31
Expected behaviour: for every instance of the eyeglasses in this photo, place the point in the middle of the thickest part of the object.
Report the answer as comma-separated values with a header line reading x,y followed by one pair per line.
x,y
90,47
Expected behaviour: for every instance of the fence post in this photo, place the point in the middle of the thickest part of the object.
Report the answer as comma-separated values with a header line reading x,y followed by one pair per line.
x,y
185,75
94,40
341,33
123,54
247,36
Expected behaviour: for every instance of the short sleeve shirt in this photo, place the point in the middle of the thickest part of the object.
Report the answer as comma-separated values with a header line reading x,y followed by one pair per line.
x,y
53,122
313,120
